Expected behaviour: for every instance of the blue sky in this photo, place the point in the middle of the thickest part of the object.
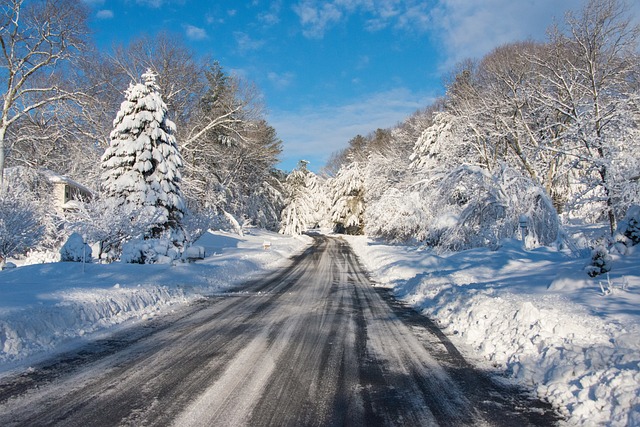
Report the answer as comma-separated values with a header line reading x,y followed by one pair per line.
x,y
329,70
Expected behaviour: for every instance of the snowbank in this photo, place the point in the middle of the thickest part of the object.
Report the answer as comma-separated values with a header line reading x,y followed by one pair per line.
x,y
44,306
535,315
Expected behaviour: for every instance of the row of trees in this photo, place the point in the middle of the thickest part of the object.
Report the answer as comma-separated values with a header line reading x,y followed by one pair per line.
x,y
62,95
529,131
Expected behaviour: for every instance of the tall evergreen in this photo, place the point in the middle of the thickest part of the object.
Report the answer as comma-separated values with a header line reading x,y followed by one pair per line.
x,y
141,166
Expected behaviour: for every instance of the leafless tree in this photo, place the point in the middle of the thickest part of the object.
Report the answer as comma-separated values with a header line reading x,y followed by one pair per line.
x,y
38,41
589,74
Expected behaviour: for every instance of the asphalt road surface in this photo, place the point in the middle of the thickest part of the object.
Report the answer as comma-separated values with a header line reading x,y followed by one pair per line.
x,y
314,345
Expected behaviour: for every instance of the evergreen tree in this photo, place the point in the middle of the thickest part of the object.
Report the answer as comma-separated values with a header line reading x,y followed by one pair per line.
x,y
300,211
142,163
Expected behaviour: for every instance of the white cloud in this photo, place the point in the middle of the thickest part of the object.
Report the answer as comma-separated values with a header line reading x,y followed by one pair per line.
x,y
281,81
272,16
195,33
150,3
246,43
363,62
104,14
315,133
269,19
471,28
317,17
93,3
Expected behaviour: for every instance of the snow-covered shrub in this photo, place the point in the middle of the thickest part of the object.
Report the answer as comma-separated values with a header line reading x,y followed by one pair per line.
x,y
104,220
629,228
543,223
469,207
20,225
396,217
37,256
600,261
75,250
196,223
151,251
33,187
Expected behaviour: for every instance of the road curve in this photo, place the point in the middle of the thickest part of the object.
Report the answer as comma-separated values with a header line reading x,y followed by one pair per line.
x,y
314,345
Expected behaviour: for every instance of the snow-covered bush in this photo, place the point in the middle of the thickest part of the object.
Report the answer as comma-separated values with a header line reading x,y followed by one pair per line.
x,y
196,223
469,207
600,261
396,217
20,225
629,228
75,250
33,187
150,251
111,224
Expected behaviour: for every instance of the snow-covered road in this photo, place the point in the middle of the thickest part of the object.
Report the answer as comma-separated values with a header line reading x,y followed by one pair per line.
x,y
315,344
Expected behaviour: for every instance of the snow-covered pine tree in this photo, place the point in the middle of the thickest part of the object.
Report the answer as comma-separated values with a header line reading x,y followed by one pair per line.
x,y
299,212
142,163
347,211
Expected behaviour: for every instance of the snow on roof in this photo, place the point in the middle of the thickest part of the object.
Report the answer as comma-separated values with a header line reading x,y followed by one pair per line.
x,y
56,178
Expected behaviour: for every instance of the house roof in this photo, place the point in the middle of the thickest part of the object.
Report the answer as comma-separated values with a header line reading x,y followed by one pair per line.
x,y
56,178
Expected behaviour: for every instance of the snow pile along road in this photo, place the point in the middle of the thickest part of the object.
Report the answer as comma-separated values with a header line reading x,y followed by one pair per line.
x,y
535,315
44,306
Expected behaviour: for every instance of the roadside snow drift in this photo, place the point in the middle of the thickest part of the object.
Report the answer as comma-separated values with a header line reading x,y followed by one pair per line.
x,y
44,306
535,315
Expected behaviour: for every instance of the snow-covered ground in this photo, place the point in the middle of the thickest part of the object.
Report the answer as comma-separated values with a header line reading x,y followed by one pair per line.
x,y
48,307
534,314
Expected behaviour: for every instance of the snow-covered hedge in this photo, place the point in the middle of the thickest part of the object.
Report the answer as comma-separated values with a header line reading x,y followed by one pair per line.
x,y
151,251
467,207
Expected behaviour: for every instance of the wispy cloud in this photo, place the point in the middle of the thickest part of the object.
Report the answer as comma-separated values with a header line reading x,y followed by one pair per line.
x,y
461,28
272,16
158,3
471,29
151,3
363,62
104,14
246,43
195,33
317,17
314,133
281,80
